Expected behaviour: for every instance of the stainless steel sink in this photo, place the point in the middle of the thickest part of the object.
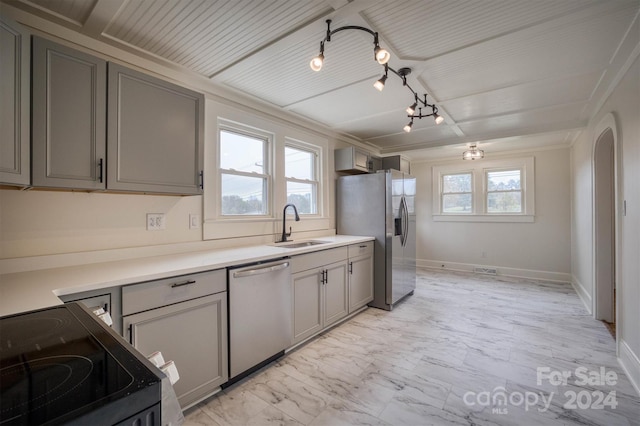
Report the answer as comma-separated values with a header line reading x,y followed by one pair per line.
x,y
301,244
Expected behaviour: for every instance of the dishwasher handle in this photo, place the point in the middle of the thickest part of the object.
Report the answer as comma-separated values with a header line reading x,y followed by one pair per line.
x,y
259,271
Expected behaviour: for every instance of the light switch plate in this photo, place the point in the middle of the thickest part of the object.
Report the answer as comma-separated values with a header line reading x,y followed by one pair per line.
x,y
194,221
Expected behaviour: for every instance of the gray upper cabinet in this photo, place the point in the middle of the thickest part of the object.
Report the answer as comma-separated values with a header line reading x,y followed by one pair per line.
x,y
69,117
396,162
155,134
352,160
14,104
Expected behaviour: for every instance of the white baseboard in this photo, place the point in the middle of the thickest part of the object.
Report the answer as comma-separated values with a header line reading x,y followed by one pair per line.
x,y
501,270
630,363
583,294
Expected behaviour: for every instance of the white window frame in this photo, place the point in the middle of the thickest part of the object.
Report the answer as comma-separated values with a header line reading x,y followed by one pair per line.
x,y
267,174
316,151
473,195
246,229
479,170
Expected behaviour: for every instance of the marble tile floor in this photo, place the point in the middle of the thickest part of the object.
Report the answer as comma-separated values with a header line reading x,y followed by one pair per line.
x,y
465,349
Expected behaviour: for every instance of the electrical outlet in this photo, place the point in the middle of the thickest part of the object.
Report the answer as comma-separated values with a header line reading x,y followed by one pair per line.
x,y
194,221
155,221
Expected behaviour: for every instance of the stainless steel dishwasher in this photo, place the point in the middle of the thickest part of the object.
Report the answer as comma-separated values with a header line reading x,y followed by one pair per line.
x,y
260,320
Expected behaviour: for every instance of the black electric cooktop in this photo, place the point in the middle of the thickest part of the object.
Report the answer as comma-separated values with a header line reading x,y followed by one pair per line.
x,y
61,365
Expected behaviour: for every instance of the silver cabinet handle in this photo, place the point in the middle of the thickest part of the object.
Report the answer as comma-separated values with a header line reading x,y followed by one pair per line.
x,y
174,285
258,271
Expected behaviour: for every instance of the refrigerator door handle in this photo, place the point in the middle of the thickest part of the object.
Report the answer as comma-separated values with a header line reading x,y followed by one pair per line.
x,y
402,224
405,221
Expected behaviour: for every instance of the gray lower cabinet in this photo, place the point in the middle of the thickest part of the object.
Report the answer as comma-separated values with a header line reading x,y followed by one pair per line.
x,y
14,104
360,275
336,305
320,294
69,117
155,134
308,304
190,329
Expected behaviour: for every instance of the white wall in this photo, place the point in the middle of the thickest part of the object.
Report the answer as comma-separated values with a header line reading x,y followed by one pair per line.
x,y
540,249
624,105
34,223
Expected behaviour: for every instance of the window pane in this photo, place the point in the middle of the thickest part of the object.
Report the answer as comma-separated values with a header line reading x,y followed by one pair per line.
x,y
504,202
456,203
456,183
241,152
298,164
243,195
504,180
303,195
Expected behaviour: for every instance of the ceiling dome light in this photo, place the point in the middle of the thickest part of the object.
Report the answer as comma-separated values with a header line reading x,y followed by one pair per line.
x,y
316,63
380,83
408,127
412,108
438,118
473,153
382,56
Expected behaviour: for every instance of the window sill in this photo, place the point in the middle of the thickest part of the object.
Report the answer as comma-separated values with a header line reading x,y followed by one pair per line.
x,y
505,218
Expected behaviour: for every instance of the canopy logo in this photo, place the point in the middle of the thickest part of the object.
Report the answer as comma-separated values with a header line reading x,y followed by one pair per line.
x,y
500,401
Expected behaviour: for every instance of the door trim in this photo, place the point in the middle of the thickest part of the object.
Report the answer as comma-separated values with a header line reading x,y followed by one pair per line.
x,y
606,124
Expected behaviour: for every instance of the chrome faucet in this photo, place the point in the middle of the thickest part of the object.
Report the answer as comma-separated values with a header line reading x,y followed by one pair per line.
x,y
284,219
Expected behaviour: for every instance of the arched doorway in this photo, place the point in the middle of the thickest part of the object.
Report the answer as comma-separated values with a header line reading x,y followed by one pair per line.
x,y
604,157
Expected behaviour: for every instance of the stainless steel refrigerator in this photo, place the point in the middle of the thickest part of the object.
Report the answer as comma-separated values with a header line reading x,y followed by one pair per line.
x,y
382,205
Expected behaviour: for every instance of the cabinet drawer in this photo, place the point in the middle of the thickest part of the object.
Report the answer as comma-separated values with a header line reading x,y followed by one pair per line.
x,y
316,259
154,294
361,249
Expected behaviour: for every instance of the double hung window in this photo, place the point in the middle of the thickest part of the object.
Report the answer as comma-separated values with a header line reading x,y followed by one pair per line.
x,y
301,176
244,173
504,191
457,193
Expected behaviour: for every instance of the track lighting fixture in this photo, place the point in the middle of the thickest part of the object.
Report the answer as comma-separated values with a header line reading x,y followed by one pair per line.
x,y
473,153
382,56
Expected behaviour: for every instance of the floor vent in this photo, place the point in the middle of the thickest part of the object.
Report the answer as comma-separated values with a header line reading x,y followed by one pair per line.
x,y
488,271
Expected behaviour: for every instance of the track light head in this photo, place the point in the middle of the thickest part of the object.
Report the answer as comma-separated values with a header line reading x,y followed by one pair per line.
x,y
316,62
411,109
438,118
408,127
381,55
380,83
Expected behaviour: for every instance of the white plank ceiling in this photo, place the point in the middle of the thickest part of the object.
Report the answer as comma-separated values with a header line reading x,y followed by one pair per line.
x,y
509,74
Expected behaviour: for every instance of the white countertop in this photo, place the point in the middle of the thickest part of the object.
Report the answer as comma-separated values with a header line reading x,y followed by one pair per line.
x,y
24,291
